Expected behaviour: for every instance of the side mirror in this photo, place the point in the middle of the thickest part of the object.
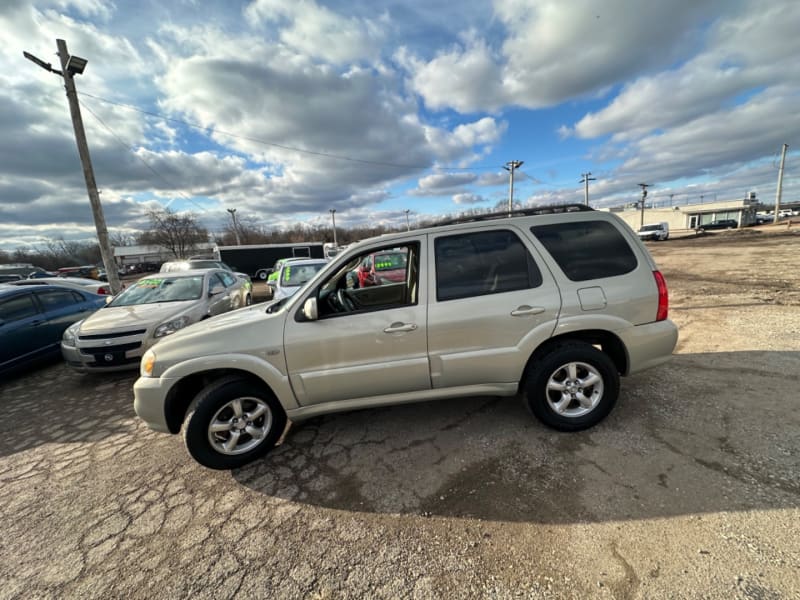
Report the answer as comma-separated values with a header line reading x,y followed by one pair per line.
x,y
216,289
310,309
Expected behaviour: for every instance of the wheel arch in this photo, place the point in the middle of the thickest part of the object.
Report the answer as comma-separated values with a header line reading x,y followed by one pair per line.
x,y
180,397
606,341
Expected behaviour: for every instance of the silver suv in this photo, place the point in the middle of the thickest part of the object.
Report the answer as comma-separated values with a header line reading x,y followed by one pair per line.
x,y
552,303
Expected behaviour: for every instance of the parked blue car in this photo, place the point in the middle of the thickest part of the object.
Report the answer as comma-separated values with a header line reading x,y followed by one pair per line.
x,y
33,319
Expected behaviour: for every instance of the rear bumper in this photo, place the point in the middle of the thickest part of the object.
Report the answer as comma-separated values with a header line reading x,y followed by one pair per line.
x,y
649,345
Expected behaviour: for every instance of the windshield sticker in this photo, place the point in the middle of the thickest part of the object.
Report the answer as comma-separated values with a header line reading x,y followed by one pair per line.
x,y
287,272
150,283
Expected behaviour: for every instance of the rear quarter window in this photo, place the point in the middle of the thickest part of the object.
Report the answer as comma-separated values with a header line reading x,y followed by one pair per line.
x,y
587,250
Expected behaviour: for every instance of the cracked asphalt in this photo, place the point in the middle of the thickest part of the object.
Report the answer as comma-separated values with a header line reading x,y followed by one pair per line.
x,y
690,489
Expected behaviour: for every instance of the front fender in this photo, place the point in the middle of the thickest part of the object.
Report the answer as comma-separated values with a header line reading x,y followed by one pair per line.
x,y
277,381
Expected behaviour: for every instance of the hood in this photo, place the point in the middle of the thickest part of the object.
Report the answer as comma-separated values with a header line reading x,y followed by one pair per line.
x,y
134,317
247,330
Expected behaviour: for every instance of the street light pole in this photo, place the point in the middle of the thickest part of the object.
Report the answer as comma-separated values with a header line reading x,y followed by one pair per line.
x,y
644,187
235,227
70,65
408,223
333,219
585,179
511,166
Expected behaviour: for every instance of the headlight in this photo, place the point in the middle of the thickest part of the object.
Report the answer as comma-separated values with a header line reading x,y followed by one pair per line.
x,y
70,333
171,326
147,364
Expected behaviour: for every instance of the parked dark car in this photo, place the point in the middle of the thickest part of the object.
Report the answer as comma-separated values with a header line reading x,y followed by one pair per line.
x,y
4,277
33,319
721,224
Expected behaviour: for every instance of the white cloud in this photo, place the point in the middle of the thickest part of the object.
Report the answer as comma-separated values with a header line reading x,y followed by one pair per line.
x,y
556,50
318,32
468,199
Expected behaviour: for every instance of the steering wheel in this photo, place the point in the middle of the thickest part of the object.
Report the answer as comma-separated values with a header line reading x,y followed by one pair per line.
x,y
345,302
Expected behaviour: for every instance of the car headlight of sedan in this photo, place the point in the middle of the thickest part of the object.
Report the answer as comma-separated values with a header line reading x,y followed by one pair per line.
x,y
171,326
70,333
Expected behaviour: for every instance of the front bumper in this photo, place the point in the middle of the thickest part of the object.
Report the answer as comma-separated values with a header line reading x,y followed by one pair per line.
x,y
115,352
149,401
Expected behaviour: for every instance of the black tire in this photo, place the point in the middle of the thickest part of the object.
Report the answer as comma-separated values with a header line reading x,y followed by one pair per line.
x,y
553,368
213,404
248,300
262,275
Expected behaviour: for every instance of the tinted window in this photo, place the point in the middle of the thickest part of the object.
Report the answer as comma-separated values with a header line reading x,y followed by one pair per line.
x,y
17,308
587,249
55,299
489,262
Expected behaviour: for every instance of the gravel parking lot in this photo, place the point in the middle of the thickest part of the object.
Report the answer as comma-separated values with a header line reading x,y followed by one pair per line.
x,y
690,489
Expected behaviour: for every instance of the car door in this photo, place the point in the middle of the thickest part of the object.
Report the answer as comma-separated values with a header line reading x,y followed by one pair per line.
x,y
375,350
21,327
61,308
492,299
221,301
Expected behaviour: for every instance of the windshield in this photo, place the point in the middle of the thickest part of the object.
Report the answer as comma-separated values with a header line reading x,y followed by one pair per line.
x,y
650,228
161,289
295,275
389,262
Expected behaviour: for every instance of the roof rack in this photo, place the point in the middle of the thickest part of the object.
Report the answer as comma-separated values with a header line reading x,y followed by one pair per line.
x,y
551,209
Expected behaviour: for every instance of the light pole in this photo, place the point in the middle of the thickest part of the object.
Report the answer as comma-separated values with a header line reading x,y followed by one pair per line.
x,y
585,179
333,219
511,166
235,227
70,66
408,223
644,187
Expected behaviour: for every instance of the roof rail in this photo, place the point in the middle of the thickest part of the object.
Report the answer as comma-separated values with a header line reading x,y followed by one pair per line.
x,y
550,209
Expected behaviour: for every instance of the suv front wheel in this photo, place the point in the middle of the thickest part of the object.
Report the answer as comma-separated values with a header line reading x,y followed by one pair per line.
x,y
572,387
234,422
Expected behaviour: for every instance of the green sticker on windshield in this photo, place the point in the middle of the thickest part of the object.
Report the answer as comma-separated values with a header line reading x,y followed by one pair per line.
x,y
287,272
151,283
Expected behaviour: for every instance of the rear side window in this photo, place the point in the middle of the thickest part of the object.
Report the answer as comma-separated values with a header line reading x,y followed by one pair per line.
x,y
487,262
587,249
55,299
17,308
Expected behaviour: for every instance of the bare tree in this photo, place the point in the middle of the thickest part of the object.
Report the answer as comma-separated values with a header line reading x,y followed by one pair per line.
x,y
180,233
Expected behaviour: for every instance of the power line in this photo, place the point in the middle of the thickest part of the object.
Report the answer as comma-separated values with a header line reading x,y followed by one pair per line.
x,y
284,147
142,160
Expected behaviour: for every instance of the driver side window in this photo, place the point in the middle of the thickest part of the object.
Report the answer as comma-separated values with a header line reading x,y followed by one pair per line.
x,y
375,280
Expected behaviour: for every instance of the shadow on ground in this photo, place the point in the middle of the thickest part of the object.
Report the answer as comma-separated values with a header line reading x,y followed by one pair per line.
x,y
705,433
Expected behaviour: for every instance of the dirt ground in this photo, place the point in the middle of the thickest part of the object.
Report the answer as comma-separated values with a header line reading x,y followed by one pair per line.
x,y
690,489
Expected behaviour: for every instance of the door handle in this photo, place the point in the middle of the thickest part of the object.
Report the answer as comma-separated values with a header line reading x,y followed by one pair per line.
x,y
526,310
399,327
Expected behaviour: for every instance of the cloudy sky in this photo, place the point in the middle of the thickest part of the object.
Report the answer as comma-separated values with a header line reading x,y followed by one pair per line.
x,y
285,109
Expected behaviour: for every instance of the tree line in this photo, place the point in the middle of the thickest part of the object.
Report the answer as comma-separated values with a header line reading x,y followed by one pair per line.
x,y
182,234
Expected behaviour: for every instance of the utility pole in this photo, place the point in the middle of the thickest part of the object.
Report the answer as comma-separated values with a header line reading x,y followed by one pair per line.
x,y
333,218
235,226
70,65
644,187
779,192
408,224
585,179
511,166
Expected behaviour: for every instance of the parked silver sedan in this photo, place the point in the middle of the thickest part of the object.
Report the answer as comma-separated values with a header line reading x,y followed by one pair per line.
x,y
115,337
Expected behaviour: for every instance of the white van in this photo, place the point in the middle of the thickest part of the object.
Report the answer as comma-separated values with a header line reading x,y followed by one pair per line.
x,y
655,231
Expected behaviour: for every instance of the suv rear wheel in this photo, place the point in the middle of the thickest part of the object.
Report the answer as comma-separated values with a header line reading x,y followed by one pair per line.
x,y
572,387
234,422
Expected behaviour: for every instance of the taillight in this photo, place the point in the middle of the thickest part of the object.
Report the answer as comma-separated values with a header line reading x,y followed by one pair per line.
x,y
663,296
102,290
